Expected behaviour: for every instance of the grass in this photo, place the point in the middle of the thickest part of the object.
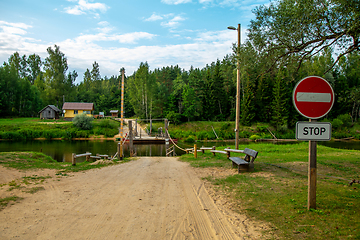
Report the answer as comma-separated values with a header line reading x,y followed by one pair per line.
x,y
31,128
276,192
35,160
5,201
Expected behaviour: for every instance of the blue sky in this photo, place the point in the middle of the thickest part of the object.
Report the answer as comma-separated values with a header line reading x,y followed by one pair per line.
x,y
119,34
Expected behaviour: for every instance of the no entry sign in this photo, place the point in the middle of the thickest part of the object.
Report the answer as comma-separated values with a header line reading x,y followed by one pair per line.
x,y
313,97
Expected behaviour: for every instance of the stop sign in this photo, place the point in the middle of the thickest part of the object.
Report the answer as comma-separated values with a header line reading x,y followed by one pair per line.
x,y
313,97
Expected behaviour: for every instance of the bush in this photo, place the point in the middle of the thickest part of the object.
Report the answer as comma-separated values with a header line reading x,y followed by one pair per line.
x,y
190,139
83,122
346,119
336,123
255,137
174,117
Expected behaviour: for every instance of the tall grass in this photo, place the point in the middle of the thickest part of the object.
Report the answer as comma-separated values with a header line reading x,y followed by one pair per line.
x,y
276,192
29,128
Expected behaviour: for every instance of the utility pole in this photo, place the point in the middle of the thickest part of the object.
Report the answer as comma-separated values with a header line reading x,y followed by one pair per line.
x,y
237,117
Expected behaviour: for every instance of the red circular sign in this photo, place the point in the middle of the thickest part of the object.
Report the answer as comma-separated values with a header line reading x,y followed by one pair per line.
x,y
313,97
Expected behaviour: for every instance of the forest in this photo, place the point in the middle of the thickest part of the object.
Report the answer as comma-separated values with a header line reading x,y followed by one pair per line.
x,y
286,42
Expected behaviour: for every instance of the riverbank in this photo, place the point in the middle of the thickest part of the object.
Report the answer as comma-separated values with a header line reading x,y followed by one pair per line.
x,y
276,192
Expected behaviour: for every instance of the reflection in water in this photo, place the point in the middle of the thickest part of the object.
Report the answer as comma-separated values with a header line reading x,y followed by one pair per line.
x,y
61,151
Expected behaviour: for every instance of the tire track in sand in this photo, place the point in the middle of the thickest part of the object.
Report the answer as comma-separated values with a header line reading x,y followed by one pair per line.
x,y
150,198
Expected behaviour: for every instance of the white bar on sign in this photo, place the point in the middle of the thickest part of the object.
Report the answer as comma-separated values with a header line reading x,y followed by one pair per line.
x,y
313,97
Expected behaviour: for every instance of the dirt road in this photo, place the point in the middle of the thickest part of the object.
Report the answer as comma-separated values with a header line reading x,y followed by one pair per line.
x,y
149,198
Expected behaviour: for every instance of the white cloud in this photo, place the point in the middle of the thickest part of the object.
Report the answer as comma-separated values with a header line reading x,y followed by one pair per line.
x,y
84,7
175,2
154,17
174,22
83,50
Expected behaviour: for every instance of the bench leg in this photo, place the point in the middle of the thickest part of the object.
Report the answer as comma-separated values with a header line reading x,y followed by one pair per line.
x,y
246,167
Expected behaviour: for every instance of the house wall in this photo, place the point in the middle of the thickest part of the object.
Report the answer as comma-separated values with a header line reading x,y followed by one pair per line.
x,y
70,113
47,113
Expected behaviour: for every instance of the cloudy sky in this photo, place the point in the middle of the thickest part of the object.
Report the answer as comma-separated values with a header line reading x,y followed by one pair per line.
x,y
124,33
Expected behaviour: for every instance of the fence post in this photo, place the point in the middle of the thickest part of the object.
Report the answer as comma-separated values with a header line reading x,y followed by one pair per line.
x,y
195,151
73,159
120,151
88,157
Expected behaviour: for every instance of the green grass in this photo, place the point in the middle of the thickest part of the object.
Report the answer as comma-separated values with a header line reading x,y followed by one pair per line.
x,y
31,128
276,192
5,201
35,160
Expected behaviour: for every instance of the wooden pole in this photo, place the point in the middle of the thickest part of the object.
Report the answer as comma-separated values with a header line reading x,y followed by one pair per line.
x,y
237,114
88,157
195,151
131,146
122,105
73,159
312,173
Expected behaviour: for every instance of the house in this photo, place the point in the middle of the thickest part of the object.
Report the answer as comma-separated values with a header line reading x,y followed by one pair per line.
x,y
50,112
71,109
114,113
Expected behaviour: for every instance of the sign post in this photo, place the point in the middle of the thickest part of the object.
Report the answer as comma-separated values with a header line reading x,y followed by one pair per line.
x,y
313,98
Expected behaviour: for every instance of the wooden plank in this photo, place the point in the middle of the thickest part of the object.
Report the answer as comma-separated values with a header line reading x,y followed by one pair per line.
x,y
238,160
234,150
82,155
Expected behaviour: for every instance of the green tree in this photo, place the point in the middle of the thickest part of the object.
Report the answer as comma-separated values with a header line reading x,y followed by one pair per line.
x,y
297,30
34,67
55,76
279,111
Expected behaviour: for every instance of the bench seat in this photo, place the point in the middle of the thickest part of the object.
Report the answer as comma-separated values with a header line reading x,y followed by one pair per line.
x,y
238,160
246,164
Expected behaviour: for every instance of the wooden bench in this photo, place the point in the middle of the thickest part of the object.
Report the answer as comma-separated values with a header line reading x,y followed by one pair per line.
x,y
246,164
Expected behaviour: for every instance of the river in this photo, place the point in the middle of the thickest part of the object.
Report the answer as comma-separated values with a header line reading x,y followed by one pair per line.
x,y
61,150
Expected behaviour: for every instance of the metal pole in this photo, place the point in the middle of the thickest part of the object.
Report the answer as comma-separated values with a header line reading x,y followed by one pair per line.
x,y
312,173
237,120
131,146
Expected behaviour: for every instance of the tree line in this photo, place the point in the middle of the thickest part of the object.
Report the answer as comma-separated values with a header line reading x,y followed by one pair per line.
x,y
272,61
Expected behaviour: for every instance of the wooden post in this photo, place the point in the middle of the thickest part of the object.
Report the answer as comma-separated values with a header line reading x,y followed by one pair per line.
x,y
73,159
195,151
131,146
312,173
150,126
88,157
166,125
120,151
135,132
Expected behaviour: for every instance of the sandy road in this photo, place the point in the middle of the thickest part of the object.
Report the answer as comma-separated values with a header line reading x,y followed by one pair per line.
x,y
150,198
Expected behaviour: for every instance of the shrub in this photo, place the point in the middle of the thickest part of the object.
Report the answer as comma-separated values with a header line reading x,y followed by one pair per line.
x,y
174,117
255,137
190,139
346,119
83,122
336,123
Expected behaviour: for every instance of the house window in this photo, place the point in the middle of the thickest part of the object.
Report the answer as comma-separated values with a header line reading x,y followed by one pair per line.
x,y
87,112
75,111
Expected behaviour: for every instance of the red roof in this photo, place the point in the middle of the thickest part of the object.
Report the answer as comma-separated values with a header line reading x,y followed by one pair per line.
x,y
78,106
